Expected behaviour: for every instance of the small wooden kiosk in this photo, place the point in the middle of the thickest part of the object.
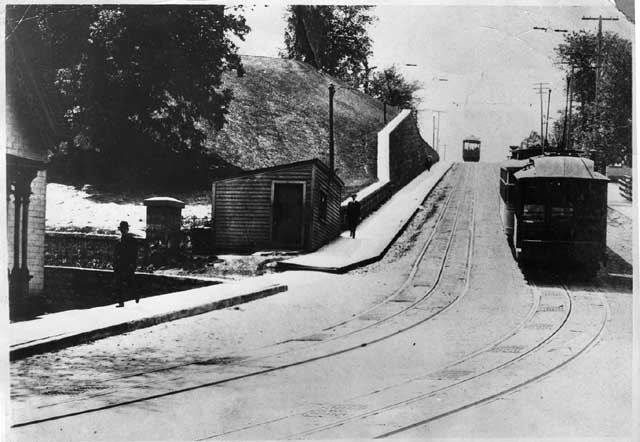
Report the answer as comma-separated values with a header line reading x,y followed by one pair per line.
x,y
292,206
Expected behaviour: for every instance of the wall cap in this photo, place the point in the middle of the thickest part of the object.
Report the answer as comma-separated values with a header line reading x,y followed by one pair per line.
x,y
81,235
163,201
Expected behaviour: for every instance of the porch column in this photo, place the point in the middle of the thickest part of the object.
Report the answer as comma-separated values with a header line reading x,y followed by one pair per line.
x,y
19,185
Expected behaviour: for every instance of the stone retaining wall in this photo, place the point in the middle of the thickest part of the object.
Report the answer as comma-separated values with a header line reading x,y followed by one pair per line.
x,y
402,156
77,288
87,250
408,153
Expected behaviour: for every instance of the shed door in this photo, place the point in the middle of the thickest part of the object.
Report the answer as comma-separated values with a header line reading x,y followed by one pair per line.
x,y
287,214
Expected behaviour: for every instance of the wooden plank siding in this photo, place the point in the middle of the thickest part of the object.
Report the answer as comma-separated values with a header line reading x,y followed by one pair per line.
x,y
325,230
242,207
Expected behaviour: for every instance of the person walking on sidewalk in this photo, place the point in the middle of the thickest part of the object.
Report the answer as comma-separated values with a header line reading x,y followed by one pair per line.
x,y
124,264
353,215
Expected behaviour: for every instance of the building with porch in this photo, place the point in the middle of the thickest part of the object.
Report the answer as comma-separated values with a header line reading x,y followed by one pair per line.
x,y
30,131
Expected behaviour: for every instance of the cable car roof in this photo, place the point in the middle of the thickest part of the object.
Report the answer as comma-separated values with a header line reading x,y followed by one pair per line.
x,y
560,167
472,139
514,164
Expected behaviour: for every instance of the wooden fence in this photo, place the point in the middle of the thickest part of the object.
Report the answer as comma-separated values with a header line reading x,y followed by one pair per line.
x,y
624,184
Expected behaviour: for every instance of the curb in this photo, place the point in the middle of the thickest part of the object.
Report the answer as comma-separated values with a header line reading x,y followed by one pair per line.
x,y
281,266
21,352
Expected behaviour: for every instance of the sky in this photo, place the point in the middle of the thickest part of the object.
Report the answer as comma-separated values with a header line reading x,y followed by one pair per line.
x,y
477,64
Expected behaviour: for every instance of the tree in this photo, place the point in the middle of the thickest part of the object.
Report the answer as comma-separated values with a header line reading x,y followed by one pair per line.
x,y
389,86
613,121
533,139
333,39
139,83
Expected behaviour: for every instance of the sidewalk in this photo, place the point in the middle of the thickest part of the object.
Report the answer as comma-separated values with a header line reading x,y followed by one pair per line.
x,y
73,327
616,202
376,233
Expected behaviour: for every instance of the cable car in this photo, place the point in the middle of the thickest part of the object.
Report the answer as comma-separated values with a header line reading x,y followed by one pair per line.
x,y
559,210
471,149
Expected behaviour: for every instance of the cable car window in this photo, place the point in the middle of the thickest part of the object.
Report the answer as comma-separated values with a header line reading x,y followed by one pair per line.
x,y
559,213
533,213
532,193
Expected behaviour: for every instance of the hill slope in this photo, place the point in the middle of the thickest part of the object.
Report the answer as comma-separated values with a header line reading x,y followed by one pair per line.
x,y
280,114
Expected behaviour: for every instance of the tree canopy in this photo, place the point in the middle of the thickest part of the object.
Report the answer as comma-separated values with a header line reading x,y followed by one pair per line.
x,y
613,118
333,39
138,84
389,86
533,139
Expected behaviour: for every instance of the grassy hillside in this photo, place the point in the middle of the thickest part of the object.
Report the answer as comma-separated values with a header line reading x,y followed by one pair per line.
x,y
280,114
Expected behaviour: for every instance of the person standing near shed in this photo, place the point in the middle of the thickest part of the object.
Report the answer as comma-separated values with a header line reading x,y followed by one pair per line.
x,y
124,264
353,215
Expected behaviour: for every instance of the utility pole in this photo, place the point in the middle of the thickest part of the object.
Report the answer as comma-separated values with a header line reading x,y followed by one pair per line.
x,y
436,130
433,135
438,133
332,91
541,119
596,121
566,113
566,127
541,89
569,134
546,135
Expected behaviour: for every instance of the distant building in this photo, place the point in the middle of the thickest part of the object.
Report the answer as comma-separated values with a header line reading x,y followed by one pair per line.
x,y
291,206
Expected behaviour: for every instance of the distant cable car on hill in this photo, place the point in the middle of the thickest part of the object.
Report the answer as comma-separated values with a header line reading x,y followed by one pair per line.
x,y
471,149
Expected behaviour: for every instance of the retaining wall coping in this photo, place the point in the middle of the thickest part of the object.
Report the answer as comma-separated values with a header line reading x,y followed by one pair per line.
x,y
383,157
82,234
384,166
390,127
369,190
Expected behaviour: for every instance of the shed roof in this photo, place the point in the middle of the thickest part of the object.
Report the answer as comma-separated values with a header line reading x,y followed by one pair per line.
x,y
163,201
560,167
315,161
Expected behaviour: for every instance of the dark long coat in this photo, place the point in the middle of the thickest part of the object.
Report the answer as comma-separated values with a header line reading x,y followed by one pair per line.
x,y
125,254
353,213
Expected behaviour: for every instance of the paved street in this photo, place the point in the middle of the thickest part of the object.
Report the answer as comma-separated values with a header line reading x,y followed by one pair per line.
x,y
444,337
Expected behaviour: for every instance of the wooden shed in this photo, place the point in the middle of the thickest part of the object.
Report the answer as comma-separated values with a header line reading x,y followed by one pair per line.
x,y
292,206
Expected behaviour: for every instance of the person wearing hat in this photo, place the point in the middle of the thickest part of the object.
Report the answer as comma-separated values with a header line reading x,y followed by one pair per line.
x,y
124,264
353,215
